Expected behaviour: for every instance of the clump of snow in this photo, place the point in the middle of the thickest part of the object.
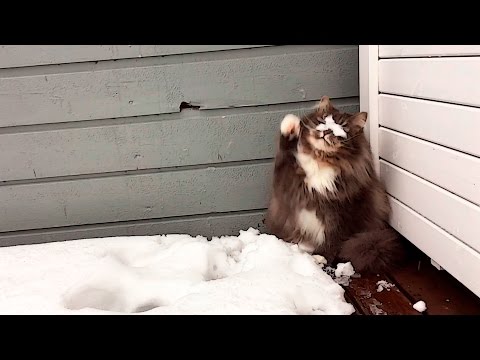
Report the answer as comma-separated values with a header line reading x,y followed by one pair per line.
x,y
375,309
342,274
420,306
320,260
365,294
345,269
330,124
251,273
384,285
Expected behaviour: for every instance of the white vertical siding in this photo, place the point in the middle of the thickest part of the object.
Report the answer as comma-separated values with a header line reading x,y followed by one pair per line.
x,y
426,105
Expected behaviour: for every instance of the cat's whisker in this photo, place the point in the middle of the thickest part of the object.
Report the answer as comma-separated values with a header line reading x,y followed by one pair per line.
x,y
351,138
307,126
304,112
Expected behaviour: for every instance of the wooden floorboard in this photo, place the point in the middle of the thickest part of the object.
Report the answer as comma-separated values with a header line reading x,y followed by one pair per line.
x,y
351,299
370,301
416,280
442,293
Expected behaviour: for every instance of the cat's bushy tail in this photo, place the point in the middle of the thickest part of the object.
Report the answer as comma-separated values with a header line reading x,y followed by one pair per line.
x,y
374,251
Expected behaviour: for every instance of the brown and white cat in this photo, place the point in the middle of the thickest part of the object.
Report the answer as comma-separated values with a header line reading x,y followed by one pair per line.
x,y
326,196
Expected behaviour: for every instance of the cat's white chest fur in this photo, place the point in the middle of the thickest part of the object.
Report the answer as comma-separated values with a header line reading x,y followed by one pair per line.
x,y
309,224
317,177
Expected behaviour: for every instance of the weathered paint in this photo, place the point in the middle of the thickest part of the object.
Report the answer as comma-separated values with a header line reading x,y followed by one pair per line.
x,y
189,138
101,149
134,197
204,225
20,55
290,76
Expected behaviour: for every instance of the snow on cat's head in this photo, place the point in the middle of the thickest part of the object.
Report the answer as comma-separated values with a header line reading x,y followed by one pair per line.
x,y
328,130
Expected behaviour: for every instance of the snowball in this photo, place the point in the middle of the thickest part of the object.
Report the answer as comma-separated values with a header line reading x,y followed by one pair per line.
x,y
420,306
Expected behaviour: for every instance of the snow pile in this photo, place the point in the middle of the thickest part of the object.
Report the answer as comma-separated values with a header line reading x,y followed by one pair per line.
x,y
174,274
420,306
384,285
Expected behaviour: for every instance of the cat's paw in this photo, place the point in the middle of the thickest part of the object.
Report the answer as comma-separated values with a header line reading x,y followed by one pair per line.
x,y
290,126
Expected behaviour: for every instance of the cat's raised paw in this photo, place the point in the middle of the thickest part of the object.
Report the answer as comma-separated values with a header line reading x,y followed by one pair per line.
x,y
290,126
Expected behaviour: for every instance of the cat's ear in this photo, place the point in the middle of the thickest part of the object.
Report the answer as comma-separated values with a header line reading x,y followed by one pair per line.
x,y
359,120
325,106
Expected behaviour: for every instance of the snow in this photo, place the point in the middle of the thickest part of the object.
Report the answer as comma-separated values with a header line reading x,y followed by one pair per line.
x,y
420,306
320,260
251,273
375,309
383,284
342,274
344,270
332,125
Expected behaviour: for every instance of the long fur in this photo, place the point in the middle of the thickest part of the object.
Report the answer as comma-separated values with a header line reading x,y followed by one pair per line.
x,y
374,251
326,195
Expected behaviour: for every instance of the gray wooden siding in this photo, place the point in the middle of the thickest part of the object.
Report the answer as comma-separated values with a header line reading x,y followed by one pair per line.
x,y
20,55
93,143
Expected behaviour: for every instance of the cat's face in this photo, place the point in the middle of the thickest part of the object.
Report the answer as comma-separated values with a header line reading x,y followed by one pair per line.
x,y
328,130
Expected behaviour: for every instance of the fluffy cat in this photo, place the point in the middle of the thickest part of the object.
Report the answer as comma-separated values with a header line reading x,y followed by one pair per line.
x,y
326,196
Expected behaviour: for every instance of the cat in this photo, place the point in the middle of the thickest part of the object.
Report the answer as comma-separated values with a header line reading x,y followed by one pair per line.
x,y
326,196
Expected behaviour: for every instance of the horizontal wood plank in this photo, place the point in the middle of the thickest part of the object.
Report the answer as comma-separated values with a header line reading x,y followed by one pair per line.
x,y
30,55
188,138
449,169
207,225
451,213
450,125
389,51
454,256
271,78
134,197
371,302
453,80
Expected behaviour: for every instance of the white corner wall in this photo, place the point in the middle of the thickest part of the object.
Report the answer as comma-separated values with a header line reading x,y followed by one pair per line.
x,y
424,110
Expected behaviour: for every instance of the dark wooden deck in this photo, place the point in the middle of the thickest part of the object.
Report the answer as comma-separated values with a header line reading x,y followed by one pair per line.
x,y
417,280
